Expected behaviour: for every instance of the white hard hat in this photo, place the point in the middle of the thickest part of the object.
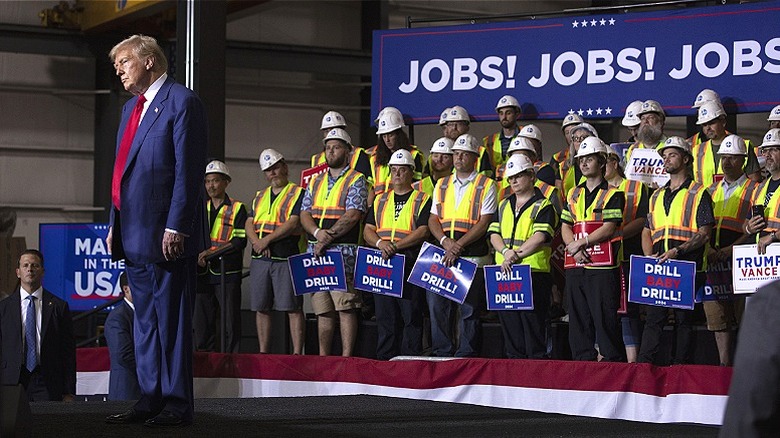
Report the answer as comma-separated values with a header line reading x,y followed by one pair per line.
x,y
217,166
443,116
507,101
612,150
571,119
733,145
631,118
651,106
332,119
771,138
586,126
338,133
675,141
442,146
709,111
387,109
458,114
466,142
516,164
705,95
389,122
774,114
401,157
268,158
590,146
521,144
531,131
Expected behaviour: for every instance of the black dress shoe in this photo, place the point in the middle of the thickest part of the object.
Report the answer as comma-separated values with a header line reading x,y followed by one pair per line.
x,y
166,419
130,416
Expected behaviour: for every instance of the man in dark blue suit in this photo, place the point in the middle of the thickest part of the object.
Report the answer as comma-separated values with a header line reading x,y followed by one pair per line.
x,y
36,335
156,226
123,382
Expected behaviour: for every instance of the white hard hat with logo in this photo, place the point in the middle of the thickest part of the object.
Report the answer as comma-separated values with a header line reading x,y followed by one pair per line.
x,y
586,126
389,122
466,142
531,131
631,118
590,146
338,133
705,95
442,146
675,141
332,119
733,145
387,109
517,164
507,101
521,144
571,119
443,116
458,114
217,166
651,106
771,138
269,157
710,111
774,114
401,157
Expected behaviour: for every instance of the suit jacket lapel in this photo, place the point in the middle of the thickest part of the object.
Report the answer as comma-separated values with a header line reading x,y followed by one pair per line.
x,y
154,110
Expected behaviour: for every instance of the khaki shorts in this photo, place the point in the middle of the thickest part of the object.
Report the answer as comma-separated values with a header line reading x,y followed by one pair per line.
x,y
326,302
724,315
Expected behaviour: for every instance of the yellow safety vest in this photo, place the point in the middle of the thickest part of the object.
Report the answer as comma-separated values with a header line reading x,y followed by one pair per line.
x,y
515,231
331,205
731,213
566,172
380,173
492,143
704,163
551,193
771,209
224,228
632,190
424,185
680,223
457,222
391,228
268,215
577,212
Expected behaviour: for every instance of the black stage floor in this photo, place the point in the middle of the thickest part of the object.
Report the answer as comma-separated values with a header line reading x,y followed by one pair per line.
x,y
345,416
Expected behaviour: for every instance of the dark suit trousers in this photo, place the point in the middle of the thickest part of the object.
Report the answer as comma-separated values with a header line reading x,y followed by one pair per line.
x,y
753,408
162,294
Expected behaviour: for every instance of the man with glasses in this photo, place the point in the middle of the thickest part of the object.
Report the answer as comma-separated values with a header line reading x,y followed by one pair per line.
x,y
766,227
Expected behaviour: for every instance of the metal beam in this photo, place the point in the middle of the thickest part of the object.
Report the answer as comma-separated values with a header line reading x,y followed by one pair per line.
x,y
285,57
41,41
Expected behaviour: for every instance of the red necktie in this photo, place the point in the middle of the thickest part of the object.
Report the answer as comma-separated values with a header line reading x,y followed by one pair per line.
x,y
124,150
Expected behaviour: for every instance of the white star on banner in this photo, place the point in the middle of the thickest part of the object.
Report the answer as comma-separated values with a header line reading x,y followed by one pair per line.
x,y
590,112
599,111
575,23
608,110
571,111
584,23
580,112
592,23
611,21
602,22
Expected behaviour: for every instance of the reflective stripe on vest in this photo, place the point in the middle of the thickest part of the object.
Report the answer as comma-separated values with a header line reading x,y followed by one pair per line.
x,y
425,185
730,214
492,143
680,223
224,229
392,228
516,230
269,216
331,204
468,212
704,163
380,173
771,209
633,192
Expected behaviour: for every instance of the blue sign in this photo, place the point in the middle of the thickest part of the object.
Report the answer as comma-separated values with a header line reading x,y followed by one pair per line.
x,y
318,274
78,266
509,291
668,284
592,65
379,276
718,286
450,282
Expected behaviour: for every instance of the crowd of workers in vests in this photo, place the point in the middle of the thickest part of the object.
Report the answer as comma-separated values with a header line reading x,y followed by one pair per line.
x,y
496,201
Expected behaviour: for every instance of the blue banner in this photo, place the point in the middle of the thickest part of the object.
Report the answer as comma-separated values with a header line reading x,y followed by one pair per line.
x,y
509,291
318,274
668,284
78,266
450,282
718,285
592,65
379,276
